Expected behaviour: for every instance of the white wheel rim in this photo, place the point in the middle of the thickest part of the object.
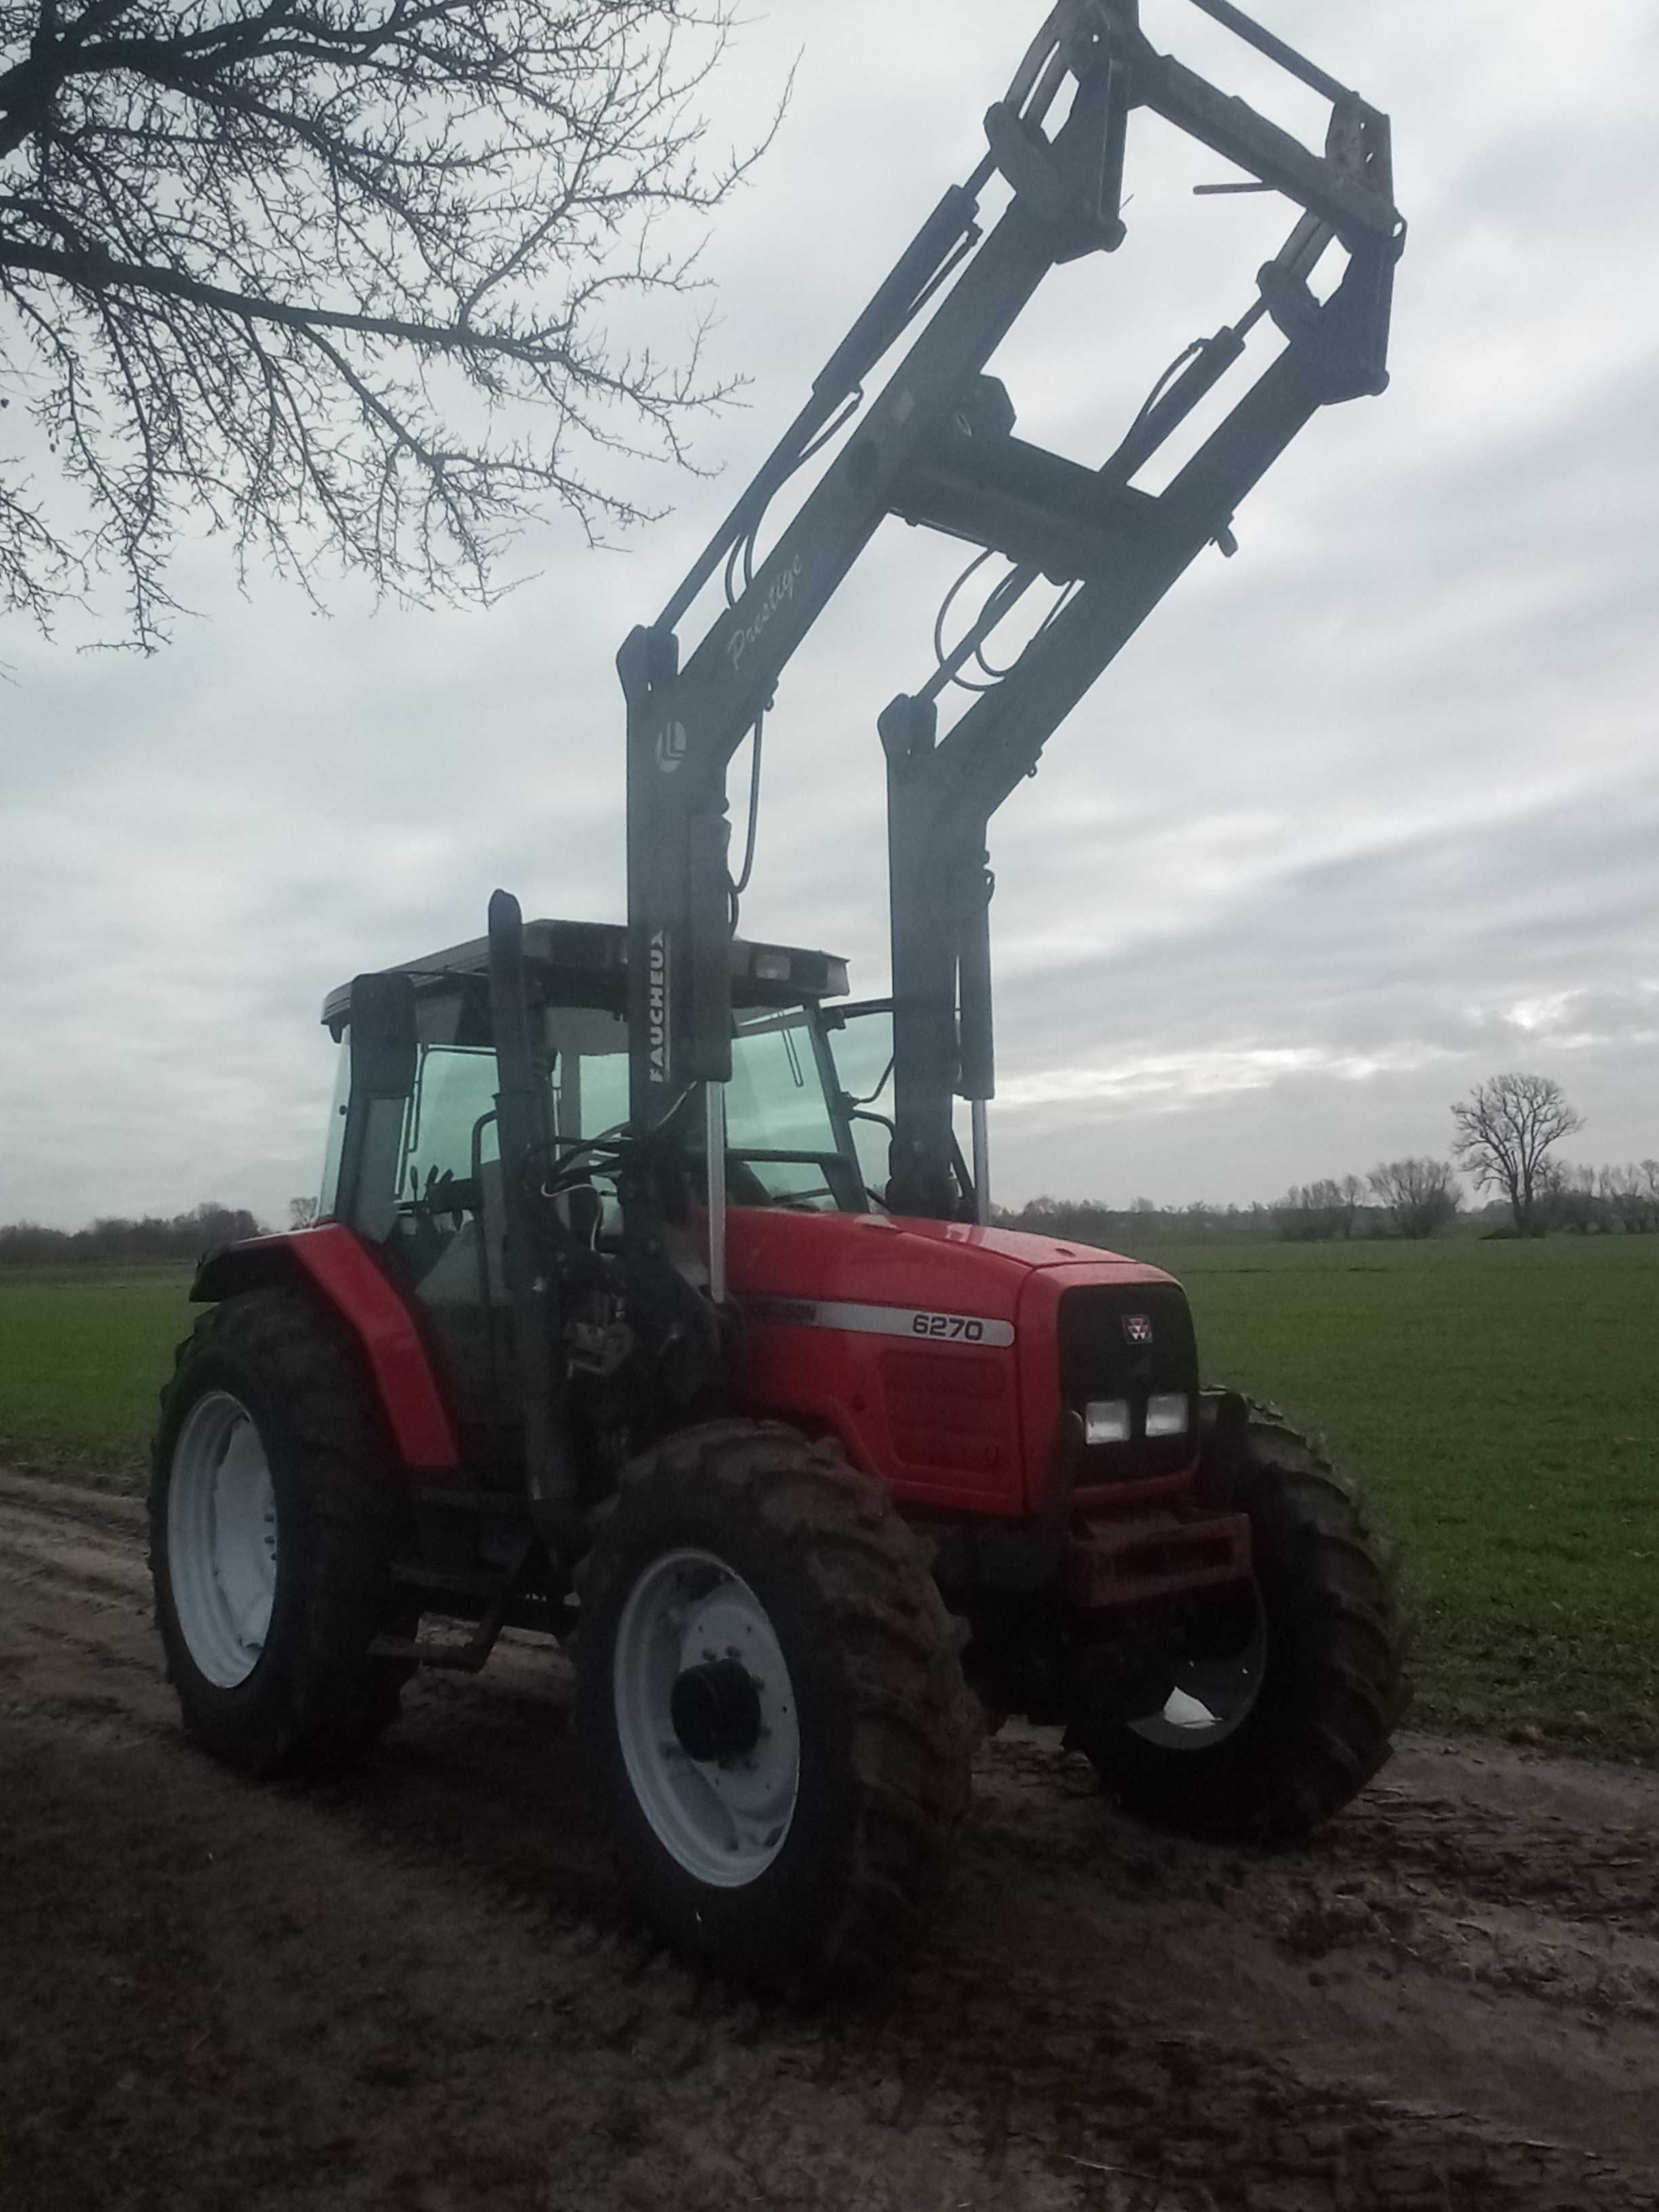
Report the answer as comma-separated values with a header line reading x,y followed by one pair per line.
x,y
724,1820
1212,1698
221,1538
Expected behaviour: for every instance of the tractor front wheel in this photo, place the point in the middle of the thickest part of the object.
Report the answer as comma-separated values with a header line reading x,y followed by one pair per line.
x,y
1291,1707
272,1500
768,1689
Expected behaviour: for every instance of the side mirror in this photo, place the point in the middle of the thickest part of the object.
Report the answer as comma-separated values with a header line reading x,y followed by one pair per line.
x,y
382,1015
384,1058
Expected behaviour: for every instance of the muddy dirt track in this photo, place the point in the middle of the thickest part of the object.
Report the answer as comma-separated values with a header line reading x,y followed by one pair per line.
x,y
420,1990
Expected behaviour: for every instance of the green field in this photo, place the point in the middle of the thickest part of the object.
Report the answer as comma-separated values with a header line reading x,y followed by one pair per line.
x,y
1501,1401
83,1354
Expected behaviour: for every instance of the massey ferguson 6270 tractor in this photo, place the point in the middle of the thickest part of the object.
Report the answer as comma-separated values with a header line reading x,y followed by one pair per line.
x,y
655,1304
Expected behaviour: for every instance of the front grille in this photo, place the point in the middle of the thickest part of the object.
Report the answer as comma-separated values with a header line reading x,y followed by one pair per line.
x,y
1133,1341
950,1409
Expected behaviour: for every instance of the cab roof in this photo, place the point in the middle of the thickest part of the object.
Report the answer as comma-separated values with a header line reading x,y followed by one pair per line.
x,y
586,963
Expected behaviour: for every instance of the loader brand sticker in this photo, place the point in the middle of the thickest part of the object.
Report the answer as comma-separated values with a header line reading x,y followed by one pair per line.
x,y
1137,1328
657,1007
671,747
879,1321
779,593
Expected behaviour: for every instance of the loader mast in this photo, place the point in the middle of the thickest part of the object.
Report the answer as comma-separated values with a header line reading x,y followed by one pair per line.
x,y
934,447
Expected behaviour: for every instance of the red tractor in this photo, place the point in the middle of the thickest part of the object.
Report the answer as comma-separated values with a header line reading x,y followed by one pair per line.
x,y
654,1303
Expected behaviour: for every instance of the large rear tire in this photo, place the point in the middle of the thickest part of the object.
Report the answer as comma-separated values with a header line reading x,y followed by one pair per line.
x,y
272,1513
768,1689
1321,1665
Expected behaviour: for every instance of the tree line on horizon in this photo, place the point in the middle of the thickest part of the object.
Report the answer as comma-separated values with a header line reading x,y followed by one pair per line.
x,y
1588,1200
1417,1198
1505,1132
179,1237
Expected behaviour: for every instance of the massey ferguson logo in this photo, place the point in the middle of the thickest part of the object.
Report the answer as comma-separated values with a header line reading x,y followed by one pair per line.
x,y
671,747
657,1007
1137,1328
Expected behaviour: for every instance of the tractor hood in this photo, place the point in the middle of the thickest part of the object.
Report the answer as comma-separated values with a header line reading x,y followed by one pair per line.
x,y
1015,1244
933,1349
907,1266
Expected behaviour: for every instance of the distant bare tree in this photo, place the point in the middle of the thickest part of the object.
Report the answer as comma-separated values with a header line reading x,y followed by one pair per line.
x,y
1621,1193
1316,1211
1505,1128
293,269
1350,1197
303,1212
1302,1215
1291,1216
1569,1197
1629,1196
1420,1196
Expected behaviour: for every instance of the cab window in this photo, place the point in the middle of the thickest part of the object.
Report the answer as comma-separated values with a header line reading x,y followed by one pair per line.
x,y
454,1089
776,1103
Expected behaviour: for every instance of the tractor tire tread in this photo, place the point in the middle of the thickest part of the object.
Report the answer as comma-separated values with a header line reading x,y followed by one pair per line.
x,y
914,1725
1287,1770
335,1699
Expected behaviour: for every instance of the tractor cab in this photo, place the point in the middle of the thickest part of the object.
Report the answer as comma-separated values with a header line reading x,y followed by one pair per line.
x,y
413,1143
414,1146
414,1162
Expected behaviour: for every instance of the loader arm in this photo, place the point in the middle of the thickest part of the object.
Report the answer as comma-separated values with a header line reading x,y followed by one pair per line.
x,y
934,447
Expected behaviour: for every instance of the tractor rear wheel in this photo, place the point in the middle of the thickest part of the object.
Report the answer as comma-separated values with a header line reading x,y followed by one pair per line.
x,y
1273,1731
272,1503
768,1686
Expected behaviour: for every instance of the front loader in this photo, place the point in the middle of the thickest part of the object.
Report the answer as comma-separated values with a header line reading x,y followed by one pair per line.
x,y
656,1305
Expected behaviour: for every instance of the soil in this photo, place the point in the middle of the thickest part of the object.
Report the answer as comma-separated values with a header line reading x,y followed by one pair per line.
x,y
420,1989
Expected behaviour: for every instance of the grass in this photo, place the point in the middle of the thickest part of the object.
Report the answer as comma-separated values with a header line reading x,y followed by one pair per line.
x,y
83,1354
1500,1402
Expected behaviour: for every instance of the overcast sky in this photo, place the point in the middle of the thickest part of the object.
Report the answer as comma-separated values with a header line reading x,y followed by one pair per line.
x,y
1361,816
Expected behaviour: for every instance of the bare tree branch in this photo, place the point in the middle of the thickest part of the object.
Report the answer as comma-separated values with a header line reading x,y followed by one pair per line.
x,y
1505,1128
313,272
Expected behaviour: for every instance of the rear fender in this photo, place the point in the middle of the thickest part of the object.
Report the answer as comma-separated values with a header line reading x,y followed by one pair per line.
x,y
331,1262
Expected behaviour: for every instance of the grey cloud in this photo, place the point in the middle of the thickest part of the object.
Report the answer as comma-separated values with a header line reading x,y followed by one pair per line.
x,y
1348,802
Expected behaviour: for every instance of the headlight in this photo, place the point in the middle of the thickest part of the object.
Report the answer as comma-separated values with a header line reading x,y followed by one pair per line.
x,y
1106,1421
1166,1414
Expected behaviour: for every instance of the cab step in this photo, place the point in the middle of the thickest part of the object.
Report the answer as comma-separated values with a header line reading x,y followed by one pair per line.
x,y
467,1658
